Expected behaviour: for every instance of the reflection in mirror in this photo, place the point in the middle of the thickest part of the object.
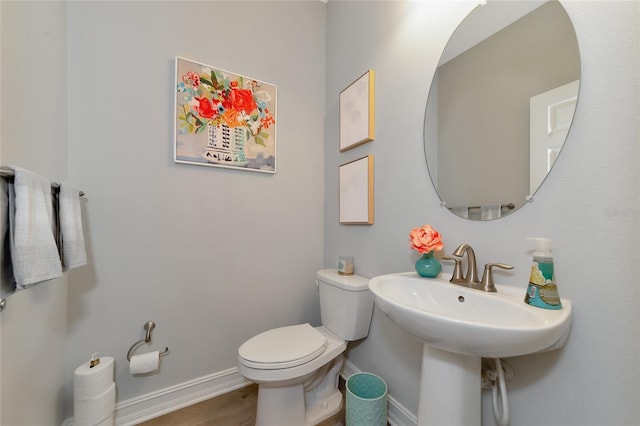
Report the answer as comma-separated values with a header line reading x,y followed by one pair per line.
x,y
500,106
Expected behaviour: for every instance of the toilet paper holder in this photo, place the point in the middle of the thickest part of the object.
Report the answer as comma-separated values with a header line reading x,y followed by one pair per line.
x,y
149,326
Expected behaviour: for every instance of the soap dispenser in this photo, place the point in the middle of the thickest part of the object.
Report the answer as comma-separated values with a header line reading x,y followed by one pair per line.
x,y
542,291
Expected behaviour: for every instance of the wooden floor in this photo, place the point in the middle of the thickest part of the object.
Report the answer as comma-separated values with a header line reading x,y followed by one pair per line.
x,y
237,408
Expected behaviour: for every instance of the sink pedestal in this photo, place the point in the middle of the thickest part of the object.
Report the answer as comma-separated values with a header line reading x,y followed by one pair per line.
x,y
450,389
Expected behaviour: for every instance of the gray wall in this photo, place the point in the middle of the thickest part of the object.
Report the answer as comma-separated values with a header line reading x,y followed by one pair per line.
x,y
34,135
588,205
212,255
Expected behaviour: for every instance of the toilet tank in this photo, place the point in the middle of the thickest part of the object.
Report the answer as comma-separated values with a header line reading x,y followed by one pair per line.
x,y
346,304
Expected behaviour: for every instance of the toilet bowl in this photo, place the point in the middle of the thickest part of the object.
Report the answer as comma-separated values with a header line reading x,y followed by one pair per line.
x,y
297,367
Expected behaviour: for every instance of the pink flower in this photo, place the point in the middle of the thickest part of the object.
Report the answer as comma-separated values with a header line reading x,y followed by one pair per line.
x,y
425,239
191,78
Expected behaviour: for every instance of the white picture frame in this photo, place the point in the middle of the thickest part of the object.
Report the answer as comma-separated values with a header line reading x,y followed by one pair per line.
x,y
223,119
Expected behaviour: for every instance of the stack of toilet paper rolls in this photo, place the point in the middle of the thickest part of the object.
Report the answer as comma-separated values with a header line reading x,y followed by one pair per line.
x,y
94,394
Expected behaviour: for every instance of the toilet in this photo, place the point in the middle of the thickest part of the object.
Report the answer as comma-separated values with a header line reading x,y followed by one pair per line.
x,y
296,367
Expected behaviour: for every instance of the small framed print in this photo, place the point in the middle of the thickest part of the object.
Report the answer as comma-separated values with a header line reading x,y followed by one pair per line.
x,y
357,112
356,192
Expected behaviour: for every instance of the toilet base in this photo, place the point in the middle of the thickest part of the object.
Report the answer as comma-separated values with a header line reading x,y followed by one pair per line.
x,y
285,407
301,404
279,405
322,410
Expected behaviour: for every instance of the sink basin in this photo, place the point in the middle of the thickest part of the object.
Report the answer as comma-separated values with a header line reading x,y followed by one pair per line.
x,y
468,321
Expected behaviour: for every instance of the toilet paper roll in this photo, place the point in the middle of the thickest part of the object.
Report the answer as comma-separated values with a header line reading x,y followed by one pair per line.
x,y
89,382
106,422
144,363
96,410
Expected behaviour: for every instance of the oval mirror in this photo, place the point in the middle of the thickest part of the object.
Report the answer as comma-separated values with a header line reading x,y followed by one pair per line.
x,y
500,106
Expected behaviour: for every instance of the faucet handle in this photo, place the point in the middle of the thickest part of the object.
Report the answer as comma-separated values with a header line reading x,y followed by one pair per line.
x,y
456,277
487,276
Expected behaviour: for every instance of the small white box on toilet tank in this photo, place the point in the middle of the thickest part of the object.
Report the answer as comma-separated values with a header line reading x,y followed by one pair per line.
x,y
346,304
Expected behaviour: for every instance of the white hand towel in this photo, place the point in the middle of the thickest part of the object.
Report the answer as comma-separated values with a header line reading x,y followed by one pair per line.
x,y
72,237
34,253
490,211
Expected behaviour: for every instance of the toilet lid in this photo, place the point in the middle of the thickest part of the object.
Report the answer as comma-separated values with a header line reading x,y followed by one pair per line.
x,y
283,347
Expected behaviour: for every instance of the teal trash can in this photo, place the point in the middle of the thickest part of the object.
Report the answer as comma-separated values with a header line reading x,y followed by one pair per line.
x,y
366,400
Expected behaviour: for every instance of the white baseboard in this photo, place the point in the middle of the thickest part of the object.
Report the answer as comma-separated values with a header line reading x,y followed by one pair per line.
x,y
155,404
397,414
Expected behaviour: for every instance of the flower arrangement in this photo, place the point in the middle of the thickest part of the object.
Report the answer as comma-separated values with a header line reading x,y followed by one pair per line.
x,y
425,239
213,98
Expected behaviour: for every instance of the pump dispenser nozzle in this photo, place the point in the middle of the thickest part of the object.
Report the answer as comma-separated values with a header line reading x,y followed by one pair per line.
x,y
543,246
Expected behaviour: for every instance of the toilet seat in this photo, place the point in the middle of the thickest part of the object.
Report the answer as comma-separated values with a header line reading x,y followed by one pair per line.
x,y
283,347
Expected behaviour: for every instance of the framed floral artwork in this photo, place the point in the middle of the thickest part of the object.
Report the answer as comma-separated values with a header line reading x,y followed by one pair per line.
x,y
224,119
357,124
356,192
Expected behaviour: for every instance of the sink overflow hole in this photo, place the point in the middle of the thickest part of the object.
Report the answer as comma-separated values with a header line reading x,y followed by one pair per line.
x,y
461,299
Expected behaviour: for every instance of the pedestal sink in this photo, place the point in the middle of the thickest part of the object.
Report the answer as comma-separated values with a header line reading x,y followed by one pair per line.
x,y
459,326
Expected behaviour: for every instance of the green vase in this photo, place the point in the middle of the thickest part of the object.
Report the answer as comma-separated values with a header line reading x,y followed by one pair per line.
x,y
428,266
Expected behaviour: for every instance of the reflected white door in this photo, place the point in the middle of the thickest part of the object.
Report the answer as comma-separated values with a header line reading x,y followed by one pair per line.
x,y
550,115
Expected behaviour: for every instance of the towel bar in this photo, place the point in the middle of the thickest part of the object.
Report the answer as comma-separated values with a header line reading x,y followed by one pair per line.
x,y
9,174
509,206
